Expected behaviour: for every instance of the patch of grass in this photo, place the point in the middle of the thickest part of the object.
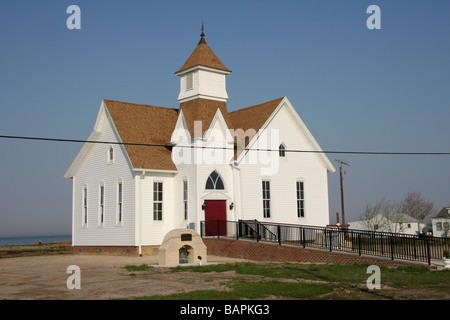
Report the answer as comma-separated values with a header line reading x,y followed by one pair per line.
x,y
337,281
399,277
251,290
36,249
142,267
411,277
323,272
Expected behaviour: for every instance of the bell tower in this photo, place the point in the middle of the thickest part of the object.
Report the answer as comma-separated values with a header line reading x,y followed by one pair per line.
x,y
203,75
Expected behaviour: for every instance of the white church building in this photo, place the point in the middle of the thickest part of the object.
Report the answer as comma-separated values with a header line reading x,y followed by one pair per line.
x,y
155,169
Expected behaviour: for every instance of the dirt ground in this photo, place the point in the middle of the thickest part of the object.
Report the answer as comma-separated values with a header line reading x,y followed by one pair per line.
x,y
41,273
101,277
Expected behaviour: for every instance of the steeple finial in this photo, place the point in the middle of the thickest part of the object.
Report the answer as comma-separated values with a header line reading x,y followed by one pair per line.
x,y
202,40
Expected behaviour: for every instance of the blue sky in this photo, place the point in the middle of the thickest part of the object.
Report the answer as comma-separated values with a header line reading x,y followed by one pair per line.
x,y
356,89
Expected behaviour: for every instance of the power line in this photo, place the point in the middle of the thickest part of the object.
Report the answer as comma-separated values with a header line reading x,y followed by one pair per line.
x,y
223,148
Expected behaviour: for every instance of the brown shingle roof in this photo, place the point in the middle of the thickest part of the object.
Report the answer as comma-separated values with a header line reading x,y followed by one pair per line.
x,y
203,56
139,123
252,117
203,110
147,124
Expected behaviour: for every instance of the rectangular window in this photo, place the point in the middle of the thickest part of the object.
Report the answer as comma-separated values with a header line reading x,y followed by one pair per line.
x,y
85,206
119,202
266,198
438,226
157,200
189,81
300,199
101,204
185,199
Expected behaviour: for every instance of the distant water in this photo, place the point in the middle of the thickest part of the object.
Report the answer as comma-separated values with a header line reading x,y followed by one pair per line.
x,y
34,239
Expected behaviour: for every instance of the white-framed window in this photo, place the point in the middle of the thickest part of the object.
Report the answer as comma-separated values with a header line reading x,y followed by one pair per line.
x,y
185,199
266,198
189,81
84,215
300,186
111,154
282,150
101,204
157,201
119,202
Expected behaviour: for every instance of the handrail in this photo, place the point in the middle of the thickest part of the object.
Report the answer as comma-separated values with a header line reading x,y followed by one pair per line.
x,y
386,244
258,225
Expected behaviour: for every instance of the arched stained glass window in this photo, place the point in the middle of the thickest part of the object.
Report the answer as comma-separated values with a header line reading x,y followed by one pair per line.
x,y
214,182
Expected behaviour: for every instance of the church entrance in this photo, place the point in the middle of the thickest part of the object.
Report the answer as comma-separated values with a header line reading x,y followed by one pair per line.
x,y
215,210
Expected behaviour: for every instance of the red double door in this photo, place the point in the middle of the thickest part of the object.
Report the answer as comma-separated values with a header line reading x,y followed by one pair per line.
x,y
215,217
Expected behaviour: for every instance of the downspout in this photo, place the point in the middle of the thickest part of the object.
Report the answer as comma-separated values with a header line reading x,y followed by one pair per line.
x,y
237,188
140,213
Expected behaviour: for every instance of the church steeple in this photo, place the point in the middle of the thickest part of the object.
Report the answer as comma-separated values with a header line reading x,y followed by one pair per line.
x,y
202,40
202,87
203,74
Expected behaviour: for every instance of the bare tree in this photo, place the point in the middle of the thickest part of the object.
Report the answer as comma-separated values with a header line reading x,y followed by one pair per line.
x,y
372,218
394,219
415,206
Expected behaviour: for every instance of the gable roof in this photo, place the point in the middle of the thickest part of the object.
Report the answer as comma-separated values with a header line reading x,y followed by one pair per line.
x,y
203,110
402,218
152,125
253,117
144,124
444,213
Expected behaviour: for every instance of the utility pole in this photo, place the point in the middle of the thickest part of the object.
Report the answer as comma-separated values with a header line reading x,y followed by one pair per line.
x,y
342,187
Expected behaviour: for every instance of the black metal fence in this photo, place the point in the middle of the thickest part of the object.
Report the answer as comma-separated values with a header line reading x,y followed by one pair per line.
x,y
384,244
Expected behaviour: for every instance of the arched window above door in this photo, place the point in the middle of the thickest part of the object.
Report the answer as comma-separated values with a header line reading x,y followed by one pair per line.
x,y
214,182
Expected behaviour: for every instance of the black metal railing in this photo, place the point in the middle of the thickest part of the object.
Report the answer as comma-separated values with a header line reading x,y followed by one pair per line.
x,y
385,244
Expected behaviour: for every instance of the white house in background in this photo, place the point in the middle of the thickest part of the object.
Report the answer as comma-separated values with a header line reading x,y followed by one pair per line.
x,y
441,222
167,168
397,223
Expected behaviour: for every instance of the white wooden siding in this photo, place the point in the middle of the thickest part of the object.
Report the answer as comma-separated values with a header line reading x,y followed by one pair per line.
x,y
293,167
151,231
94,170
243,185
206,83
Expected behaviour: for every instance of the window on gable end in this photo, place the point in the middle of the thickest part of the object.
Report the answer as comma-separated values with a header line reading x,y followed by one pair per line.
x,y
111,154
282,150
